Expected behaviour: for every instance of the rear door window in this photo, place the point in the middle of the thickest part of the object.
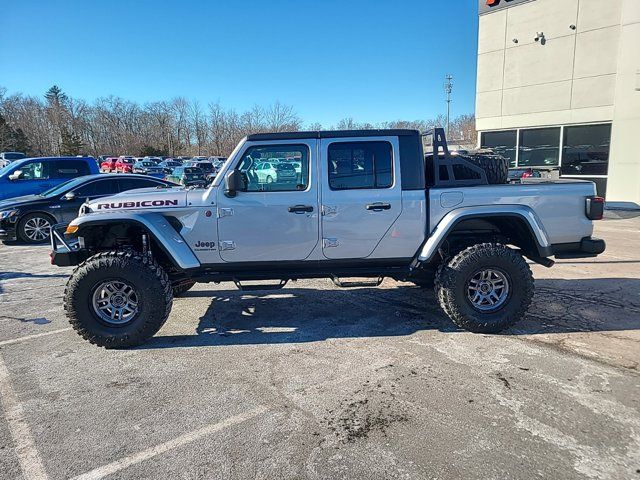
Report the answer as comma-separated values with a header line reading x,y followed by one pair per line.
x,y
70,168
360,165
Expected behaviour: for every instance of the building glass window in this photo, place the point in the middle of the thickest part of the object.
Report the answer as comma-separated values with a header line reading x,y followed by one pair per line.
x,y
502,143
585,150
539,147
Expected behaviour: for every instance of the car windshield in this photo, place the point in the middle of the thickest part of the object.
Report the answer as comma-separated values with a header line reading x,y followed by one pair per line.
x,y
148,164
63,187
8,167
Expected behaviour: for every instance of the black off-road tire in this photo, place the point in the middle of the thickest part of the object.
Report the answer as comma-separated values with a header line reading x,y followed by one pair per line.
x,y
155,298
496,167
454,275
182,288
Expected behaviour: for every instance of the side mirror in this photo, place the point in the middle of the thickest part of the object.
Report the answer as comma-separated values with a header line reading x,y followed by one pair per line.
x,y
15,175
233,183
69,196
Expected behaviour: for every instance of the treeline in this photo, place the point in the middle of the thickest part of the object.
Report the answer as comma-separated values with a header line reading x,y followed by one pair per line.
x,y
58,124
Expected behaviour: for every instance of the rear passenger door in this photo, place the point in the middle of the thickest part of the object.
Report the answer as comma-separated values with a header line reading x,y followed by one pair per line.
x,y
361,194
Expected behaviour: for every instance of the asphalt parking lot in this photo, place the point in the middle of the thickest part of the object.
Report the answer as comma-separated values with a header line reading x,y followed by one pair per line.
x,y
321,383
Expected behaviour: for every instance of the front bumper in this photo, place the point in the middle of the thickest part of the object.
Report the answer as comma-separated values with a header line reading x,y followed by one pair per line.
x,y
65,252
8,230
588,247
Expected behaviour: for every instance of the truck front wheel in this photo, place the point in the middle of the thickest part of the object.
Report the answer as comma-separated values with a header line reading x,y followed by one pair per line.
x,y
485,288
118,299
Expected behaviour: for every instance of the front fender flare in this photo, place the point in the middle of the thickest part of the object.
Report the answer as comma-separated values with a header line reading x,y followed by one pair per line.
x,y
159,228
451,219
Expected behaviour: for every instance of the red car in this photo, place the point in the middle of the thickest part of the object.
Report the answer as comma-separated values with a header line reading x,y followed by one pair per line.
x,y
108,165
125,165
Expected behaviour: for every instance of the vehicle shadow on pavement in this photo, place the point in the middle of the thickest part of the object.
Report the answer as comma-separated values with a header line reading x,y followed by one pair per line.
x,y
294,315
4,276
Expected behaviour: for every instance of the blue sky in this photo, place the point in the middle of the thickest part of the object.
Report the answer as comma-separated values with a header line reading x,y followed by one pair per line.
x,y
371,60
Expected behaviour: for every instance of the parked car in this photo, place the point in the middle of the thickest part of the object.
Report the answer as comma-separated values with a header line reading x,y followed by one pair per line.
x,y
516,175
35,175
168,166
124,164
7,157
155,160
187,176
275,171
147,167
206,166
28,218
108,165
376,208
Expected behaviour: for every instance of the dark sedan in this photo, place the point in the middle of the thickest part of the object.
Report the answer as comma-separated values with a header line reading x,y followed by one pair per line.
x,y
29,218
148,167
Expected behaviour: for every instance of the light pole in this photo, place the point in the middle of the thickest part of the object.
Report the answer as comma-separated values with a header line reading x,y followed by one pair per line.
x,y
448,88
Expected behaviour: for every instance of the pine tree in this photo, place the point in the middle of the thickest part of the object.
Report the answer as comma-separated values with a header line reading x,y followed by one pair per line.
x,y
55,96
13,140
71,143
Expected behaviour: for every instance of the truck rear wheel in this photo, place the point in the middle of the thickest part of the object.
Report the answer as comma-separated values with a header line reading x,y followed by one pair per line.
x,y
118,299
485,288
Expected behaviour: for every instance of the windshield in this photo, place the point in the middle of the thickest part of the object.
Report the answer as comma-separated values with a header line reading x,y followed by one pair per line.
x,y
7,168
192,171
206,167
63,187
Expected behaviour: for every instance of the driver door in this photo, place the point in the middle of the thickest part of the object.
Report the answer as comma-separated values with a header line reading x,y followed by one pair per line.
x,y
270,220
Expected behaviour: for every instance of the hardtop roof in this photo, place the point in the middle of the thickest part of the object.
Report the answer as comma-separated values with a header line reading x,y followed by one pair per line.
x,y
332,134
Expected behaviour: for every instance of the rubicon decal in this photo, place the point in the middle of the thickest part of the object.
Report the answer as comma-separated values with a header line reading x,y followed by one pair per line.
x,y
144,203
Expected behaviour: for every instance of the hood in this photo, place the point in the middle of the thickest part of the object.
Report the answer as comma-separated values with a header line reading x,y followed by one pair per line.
x,y
20,201
141,199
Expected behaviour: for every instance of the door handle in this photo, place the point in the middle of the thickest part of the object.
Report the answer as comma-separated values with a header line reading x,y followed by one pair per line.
x,y
377,207
301,209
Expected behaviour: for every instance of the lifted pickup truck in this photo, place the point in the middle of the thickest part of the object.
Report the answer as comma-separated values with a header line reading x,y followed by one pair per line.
x,y
362,204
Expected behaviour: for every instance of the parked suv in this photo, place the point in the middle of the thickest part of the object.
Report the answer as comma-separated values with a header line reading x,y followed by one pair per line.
x,y
29,217
368,204
124,164
108,165
35,175
187,176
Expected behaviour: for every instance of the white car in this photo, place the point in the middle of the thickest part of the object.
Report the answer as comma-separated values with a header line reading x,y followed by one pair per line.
x,y
269,172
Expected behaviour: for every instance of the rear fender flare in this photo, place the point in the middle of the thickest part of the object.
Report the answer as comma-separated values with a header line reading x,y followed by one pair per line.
x,y
158,227
454,217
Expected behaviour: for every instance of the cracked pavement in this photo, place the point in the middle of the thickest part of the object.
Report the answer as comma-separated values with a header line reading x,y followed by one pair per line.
x,y
316,382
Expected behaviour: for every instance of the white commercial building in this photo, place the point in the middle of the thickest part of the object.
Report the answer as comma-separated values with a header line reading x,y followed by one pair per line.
x,y
559,87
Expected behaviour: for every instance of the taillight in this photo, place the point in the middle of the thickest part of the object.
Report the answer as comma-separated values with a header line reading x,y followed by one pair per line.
x,y
526,174
595,208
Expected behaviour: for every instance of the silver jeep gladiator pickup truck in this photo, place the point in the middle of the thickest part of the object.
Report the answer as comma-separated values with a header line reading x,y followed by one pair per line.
x,y
364,204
